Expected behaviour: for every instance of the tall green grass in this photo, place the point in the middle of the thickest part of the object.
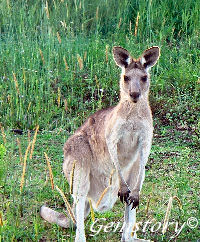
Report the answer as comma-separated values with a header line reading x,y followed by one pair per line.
x,y
37,86
36,36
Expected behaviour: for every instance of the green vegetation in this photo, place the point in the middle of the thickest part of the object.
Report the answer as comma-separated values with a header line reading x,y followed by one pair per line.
x,y
2,163
172,170
56,68
38,37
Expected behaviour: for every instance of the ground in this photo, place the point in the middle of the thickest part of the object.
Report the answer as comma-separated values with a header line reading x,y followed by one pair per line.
x,y
172,170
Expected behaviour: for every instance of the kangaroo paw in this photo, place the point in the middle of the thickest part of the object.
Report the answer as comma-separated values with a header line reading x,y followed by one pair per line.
x,y
133,200
123,194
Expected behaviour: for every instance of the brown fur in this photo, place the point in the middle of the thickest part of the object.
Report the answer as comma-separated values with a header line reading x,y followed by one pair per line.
x,y
117,138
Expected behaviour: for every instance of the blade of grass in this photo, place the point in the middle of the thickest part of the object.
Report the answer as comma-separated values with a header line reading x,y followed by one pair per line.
x,y
92,211
24,167
50,170
33,143
69,209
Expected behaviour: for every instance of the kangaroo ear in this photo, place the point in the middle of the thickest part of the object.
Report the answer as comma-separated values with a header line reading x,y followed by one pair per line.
x,y
121,56
150,57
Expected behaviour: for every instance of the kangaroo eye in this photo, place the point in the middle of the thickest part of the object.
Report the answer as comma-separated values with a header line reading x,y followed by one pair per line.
x,y
144,78
126,78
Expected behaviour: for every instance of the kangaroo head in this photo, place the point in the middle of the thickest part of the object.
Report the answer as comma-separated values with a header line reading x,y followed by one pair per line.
x,y
135,78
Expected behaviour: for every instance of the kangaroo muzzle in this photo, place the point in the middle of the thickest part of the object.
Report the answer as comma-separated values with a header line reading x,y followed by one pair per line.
x,y
135,96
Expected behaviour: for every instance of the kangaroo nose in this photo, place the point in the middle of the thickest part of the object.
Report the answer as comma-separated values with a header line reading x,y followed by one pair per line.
x,y
135,96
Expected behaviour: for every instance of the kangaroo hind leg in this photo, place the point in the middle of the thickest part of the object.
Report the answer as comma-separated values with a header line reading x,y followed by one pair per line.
x,y
77,151
81,185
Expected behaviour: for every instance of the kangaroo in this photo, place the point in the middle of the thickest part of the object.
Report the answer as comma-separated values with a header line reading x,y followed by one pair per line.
x,y
114,139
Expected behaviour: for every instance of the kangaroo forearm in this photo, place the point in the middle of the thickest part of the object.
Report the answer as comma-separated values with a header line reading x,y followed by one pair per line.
x,y
141,171
140,180
116,164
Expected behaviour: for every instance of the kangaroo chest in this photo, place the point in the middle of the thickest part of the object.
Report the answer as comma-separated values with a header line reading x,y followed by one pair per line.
x,y
132,135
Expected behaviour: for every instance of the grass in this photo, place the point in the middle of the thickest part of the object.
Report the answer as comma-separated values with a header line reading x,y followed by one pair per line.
x,y
172,170
57,68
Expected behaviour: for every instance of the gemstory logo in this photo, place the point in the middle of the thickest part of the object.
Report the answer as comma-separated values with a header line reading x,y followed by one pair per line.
x,y
101,225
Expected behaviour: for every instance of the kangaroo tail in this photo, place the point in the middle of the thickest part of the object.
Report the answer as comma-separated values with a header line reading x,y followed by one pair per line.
x,y
52,217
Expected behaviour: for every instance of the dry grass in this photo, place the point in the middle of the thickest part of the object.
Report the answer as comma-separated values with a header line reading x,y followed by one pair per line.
x,y
50,170
149,199
24,167
169,207
166,220
1,219
96,80
107,49
3,134
106,189
66,65
80,61
47,10
136,23
91,211
16,83
58,37
102,195
111,174
29,105
65,105
179,202
119,24
34,141
69,209
36,185
42,56
72,177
